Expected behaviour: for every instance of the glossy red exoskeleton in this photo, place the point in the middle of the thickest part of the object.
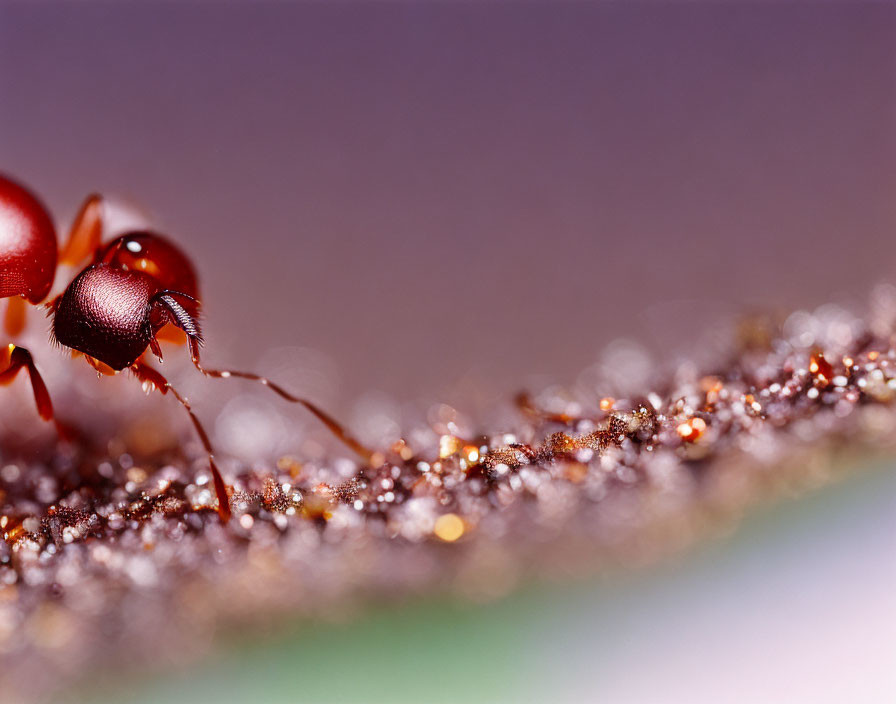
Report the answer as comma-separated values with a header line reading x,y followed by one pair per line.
x,y
135,289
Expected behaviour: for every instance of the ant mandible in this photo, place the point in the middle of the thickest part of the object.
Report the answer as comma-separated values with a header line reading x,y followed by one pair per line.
x,y
115,311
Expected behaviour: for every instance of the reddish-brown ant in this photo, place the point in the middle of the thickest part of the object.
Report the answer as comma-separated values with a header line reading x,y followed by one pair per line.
x,y
115,310
28,260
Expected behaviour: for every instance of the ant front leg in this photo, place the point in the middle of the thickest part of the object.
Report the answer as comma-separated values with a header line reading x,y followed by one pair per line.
x,y
12,360
152,379
183,319
86,233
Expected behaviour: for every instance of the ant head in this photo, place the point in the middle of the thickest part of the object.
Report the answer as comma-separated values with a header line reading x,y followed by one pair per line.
x,y
28,252
109,314
153,255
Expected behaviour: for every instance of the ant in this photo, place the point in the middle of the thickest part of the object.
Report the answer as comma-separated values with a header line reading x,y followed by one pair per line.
x,y
137,290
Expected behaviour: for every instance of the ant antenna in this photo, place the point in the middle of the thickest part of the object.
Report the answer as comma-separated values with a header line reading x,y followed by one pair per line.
x,y
188,323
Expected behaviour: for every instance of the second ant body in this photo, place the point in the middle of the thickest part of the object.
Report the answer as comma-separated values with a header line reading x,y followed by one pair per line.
x,y
115,311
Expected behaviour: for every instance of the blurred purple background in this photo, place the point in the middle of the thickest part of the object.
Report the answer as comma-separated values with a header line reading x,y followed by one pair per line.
x,y
450,201
438,197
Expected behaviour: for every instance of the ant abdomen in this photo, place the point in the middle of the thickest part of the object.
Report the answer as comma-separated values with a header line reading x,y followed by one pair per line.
x,y
28,253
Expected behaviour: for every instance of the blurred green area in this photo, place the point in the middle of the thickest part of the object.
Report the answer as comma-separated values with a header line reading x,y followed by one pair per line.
x,y
784,609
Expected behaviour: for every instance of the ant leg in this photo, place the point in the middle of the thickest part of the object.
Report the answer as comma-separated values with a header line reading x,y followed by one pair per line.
x,y
332,424
14,321
86,233
12,360
188,323
152,379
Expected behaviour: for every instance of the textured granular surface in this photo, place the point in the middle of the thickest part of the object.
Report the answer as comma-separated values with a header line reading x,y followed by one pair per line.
x,y
113,558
